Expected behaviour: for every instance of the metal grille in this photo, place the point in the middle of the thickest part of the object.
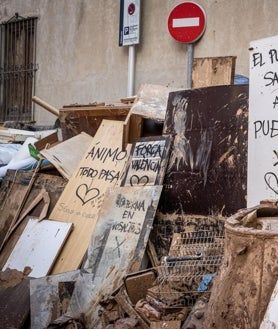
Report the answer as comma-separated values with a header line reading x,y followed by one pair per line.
x,y
193,260
17,68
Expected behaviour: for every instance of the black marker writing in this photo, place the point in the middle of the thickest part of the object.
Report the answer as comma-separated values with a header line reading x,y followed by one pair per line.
x,y
104,153
145,164
137,205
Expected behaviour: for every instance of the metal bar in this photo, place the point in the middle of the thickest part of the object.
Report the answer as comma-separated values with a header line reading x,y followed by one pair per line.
x,y
131,70
190,54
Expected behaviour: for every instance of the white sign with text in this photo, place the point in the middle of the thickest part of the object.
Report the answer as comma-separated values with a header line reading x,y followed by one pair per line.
x,y
262,177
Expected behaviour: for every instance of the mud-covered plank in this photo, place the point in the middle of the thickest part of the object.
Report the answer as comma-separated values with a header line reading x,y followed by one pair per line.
x,y
14,299
120,237
44,298
207,169
12,191
74,120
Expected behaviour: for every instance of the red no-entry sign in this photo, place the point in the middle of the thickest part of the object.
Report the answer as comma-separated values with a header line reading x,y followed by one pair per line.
x,y
187,22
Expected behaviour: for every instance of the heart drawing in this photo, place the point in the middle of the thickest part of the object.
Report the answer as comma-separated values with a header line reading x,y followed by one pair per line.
x,y
135,180
271,181
85,194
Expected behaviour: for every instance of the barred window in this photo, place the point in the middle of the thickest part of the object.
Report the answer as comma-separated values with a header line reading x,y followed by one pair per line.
x,y
17,68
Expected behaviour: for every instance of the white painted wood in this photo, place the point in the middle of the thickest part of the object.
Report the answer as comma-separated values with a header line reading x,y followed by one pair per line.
x,y
262,180
270,320
38,246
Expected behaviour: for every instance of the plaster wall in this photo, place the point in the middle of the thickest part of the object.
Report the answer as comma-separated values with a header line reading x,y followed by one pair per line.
x,y
80,61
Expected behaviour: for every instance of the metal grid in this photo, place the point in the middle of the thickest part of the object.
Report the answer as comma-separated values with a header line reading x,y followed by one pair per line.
x,y
187,272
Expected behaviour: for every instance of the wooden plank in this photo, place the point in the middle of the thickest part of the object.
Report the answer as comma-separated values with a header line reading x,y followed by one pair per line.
x,y
48,140
12,192
14,299
207,169
38,246
137,284
66,156
74,120
101,167
213,71
120,238
147,162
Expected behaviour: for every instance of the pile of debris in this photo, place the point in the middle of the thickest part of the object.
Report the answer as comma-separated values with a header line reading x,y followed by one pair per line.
x,y
121,221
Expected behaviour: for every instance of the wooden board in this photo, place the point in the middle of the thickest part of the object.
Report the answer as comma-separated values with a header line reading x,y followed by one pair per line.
x,y
12,191
75,119
67,155
213,71
120,238
44,298
148,161
14,299
38,246
101,167
207,169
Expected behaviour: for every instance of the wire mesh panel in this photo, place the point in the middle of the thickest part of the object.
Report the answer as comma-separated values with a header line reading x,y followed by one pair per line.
x,y
17,68
187,271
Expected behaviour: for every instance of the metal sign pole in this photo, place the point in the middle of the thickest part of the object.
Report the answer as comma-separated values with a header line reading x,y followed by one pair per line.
x,y
131,70
190,56
129,33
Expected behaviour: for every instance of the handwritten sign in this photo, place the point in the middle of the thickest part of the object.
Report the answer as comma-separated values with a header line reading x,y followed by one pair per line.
x,y
262,179
80,202
148,161
121,224
120,237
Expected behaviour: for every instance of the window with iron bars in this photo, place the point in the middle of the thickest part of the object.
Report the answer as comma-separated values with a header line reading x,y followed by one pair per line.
x,y
17,68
